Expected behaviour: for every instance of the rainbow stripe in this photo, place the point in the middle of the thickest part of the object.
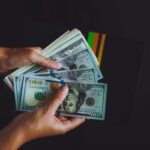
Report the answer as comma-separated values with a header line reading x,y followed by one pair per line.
x,y
97,43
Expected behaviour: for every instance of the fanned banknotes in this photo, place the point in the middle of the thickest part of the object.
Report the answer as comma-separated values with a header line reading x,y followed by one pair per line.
x,y
69,43
33,85
83,100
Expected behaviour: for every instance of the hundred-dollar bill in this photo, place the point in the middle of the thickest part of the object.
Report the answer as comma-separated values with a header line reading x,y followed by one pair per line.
x,y
84,75
17,81
16,89
68,48
63,38
87,75
83,100
68,44
47,52
75,45
36,91
81,60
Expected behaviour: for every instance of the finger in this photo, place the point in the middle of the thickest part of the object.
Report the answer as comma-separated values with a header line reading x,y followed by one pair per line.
x,y
25,56
36,49
45,62
57,99
72,123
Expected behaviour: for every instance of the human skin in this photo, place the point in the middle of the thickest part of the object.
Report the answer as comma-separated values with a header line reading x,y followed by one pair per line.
x,y
43,122
18,57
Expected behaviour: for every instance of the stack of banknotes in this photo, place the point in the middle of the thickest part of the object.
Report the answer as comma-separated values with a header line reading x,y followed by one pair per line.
x,y
34,85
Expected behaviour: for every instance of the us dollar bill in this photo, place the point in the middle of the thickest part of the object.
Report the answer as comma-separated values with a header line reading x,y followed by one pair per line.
x,y
17,81
87,75
67,45
83,100
84,75
16,93
86,100
81,60
47,52
36,91
75,45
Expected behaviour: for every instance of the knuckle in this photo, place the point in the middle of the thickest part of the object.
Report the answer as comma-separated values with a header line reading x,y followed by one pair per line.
x,y
51,63
44,61
30,54
47,62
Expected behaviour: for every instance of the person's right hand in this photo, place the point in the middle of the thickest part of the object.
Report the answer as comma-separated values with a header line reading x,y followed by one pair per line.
x,y
43,121
12,58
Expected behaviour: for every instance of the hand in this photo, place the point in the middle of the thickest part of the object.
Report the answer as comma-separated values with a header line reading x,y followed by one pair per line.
x,y
14,58
42,122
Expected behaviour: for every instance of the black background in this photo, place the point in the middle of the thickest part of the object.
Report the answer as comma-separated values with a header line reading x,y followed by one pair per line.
x,y
27,23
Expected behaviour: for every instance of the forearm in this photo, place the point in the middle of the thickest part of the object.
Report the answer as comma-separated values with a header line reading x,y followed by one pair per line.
x,y
11,138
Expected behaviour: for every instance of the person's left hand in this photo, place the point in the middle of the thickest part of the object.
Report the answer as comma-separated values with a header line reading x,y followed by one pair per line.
x,y
12,58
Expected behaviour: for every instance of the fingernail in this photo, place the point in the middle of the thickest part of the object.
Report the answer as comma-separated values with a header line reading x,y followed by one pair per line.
x,y
59,65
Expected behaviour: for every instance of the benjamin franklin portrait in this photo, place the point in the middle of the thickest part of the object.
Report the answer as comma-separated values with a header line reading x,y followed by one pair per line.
x,y
74,100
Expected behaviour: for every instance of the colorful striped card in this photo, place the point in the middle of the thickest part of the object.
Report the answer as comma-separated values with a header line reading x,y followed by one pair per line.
x,y
97,43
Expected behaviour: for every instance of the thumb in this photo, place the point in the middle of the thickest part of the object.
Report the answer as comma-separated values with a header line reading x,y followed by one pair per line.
x,y
57,99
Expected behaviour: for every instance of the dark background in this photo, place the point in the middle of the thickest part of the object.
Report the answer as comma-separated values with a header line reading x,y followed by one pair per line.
x,y
125,67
